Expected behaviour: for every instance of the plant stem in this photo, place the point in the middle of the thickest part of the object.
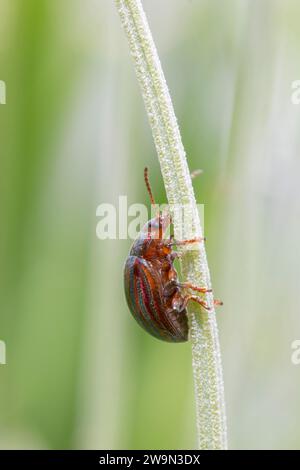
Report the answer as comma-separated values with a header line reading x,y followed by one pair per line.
x,y
206,357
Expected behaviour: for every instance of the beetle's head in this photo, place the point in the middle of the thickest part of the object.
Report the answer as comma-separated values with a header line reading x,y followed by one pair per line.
x,y
155,228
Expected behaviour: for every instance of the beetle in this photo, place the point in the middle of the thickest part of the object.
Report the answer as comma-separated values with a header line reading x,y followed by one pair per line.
x,y
154,295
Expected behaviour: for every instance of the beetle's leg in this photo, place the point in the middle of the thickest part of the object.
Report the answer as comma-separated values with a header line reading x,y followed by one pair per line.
x,y
170,288
188,285
197,299
201,302
174,255
172,241
185,242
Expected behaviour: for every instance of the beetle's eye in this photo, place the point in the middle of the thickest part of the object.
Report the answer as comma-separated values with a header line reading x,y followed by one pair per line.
x,y
154,224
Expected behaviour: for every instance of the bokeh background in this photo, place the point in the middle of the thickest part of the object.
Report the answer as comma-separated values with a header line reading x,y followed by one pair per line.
x,y
74,134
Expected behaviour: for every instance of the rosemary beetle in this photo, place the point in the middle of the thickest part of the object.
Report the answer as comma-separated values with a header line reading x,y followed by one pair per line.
x,y
155,297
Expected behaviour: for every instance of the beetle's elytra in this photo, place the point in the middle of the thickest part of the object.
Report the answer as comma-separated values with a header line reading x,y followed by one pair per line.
x,y
154,295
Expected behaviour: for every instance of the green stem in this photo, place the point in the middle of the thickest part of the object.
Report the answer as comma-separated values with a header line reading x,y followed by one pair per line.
x,y
206,357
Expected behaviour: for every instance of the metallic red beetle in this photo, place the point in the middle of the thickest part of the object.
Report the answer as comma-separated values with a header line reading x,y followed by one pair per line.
x,y
154,295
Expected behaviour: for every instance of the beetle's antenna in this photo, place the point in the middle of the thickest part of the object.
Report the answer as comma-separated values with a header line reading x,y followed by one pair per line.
x,y
146,177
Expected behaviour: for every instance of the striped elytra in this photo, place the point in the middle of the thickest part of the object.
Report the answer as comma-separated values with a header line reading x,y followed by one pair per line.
x,y
154,295
146,276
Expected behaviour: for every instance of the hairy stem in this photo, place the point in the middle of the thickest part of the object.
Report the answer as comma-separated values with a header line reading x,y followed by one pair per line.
x,y
206,357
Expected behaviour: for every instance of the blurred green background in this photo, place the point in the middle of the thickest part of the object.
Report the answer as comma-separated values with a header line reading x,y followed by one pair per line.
x,y
73,134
